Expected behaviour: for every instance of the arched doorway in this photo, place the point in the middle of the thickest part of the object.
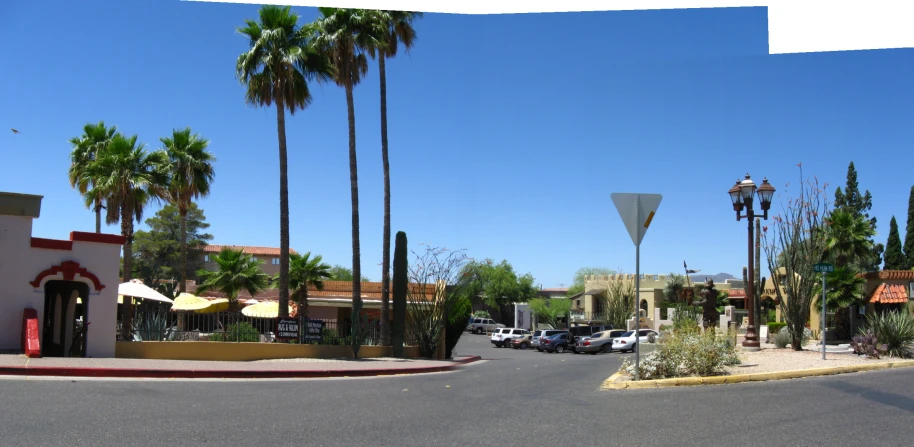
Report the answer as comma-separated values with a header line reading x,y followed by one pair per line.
x,y
66,305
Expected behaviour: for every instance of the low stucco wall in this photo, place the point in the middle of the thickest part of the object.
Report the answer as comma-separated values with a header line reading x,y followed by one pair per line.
x,y
241,352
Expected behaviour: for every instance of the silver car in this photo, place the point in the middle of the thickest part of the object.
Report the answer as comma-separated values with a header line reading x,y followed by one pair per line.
x,y
599,342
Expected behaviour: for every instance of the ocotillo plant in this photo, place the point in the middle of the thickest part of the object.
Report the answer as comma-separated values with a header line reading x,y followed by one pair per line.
x,y
400,282
756,291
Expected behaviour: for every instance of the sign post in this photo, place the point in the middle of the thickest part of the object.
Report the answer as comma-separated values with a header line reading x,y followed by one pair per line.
x,y
637,211
824,268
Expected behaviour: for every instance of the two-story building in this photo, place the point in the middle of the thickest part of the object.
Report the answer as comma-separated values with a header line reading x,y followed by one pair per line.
x,y
269,256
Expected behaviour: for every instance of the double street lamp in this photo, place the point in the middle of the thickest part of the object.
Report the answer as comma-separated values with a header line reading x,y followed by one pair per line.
x,y
742,195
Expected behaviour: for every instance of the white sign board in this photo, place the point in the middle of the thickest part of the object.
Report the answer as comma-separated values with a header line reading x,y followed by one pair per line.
x,y
637,212
522,314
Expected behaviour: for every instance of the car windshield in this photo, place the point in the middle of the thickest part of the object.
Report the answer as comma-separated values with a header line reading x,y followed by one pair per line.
x,y
597,335
627,334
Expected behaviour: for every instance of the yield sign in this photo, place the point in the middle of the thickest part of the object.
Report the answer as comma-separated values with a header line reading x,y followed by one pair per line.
x,y
637,211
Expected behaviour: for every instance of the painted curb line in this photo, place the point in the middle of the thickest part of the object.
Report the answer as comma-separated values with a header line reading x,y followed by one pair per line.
x,y
224,374
612,384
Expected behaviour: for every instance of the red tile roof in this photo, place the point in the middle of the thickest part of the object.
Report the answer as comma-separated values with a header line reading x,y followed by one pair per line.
x,y
891,274
889,294
261,251
736,293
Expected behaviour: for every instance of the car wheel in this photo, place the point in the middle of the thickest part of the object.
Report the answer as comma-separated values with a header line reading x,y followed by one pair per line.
x,y
478,331
607,349
539,349
523,346
559,349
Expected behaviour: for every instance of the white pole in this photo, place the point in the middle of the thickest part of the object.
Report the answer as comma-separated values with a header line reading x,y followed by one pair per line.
x,y
823,315
637,299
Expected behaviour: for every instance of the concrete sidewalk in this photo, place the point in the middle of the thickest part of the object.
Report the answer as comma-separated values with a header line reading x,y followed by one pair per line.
x,y
20,365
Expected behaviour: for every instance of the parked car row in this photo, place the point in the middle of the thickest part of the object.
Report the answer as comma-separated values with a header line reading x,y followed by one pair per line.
x,y
605,339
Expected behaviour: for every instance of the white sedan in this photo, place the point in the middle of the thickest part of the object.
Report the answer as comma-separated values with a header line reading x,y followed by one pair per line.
x,y
626,342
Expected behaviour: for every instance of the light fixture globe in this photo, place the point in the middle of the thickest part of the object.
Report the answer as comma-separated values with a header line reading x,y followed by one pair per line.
x,y
736,196
765,194
748,188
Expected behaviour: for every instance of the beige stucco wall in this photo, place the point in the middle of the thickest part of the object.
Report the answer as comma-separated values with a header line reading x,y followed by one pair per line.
x,y
20,263
651,288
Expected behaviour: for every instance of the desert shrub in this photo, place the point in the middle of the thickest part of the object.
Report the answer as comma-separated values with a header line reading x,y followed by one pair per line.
x,y
775,327
482,314
238,332
781,339
867,344
687,354
895,330
685,320
807,334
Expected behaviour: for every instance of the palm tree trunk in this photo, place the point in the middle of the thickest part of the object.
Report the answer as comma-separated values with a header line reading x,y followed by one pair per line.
x,y
354,186
183,285
283,209
385,257
98,215
303,305
127,232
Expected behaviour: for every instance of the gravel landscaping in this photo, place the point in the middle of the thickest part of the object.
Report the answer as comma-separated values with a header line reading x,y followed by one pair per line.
x,y
774,360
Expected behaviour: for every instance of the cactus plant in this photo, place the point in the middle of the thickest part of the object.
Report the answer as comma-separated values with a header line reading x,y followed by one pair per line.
x,y
400,282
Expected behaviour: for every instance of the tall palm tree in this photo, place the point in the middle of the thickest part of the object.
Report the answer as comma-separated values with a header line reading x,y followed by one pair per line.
x,y
86,148
191,175
276,69
127,177
398,29
305,271
848,238
346,35
236,271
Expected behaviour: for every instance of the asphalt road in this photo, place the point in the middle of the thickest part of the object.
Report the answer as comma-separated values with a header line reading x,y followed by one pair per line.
x,y
516,398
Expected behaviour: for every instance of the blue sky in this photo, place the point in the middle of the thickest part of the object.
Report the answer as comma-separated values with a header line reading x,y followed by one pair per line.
x,y
507,132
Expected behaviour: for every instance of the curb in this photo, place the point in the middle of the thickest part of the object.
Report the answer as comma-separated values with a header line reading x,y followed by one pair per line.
x,y
611,382
224,374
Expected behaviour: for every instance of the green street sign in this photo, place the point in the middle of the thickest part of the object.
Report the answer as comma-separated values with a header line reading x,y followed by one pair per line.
x,y
823,267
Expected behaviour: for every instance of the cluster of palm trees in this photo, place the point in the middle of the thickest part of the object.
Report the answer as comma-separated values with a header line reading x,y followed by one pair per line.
x,y
114,172
237,271
283,58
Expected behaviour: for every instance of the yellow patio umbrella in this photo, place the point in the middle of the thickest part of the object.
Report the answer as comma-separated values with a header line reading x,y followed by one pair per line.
x,y
266,309
188,302
216,305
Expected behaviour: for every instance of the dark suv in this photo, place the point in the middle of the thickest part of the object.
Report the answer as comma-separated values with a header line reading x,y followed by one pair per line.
x,y
539,336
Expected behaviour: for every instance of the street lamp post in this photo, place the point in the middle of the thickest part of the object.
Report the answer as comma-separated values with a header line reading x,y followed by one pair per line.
x,y
742,194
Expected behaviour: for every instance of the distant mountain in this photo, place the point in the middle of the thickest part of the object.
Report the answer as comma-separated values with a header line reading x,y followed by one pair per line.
x,y
719,278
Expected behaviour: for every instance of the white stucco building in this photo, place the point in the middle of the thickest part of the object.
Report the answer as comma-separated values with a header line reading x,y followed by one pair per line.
x,y
67,282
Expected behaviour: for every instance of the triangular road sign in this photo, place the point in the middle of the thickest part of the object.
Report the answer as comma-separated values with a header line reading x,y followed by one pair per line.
x,y
637,212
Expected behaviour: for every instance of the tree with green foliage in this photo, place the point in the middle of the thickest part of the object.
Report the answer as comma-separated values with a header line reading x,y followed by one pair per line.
x,y
192,173
617,302
345,36
894,257
581,275
909,234
550,311
675,289
86,149
236,271
498,286
304,272
276,68
341,273
157,252
852,201
127,178
398,30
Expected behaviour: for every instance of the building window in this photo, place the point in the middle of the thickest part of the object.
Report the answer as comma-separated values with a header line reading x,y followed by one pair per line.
x,y
275,261
205,258
656,277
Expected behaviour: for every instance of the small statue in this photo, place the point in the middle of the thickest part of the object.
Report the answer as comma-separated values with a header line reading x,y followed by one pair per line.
x,y
709,304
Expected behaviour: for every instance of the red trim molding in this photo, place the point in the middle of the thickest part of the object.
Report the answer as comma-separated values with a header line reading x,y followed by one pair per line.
x,y
77,236
69,269
98,238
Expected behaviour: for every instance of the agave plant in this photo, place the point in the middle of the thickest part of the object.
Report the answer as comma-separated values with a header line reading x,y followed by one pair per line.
x,y
153,326
895,330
